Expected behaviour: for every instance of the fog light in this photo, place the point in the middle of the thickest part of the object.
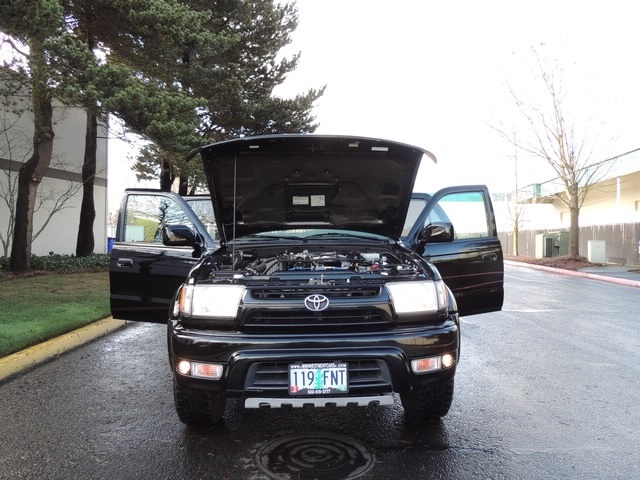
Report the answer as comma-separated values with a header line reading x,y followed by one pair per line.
x,y
448,360
183,367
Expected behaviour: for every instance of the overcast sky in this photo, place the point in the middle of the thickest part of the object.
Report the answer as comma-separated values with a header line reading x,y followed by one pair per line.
x,y
435,74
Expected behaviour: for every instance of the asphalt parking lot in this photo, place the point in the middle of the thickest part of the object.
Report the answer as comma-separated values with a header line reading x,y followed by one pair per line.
x,y
547,388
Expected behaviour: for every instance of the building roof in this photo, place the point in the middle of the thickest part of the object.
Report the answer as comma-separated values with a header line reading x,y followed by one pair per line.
x,y
613,167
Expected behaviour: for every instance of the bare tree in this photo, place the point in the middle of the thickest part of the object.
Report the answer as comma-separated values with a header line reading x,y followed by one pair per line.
x,y
12,141
52,199
556,140
515,207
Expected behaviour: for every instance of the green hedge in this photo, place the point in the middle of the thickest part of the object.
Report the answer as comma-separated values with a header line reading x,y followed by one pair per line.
x,y
64,263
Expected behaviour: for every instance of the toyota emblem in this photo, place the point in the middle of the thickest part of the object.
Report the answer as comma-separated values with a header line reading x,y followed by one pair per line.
x,y
316,303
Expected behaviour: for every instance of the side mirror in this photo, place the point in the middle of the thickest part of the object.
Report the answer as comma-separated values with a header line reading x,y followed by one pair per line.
x,y
436,232
179,236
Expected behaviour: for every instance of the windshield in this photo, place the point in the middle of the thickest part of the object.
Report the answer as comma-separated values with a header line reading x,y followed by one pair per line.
x,y
416,206
203,208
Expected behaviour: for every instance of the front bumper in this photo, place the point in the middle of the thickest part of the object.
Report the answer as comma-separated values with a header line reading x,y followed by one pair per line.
x,y
256,366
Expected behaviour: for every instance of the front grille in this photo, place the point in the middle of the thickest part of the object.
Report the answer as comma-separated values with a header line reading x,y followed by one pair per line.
x,y
302,320
293,293
364,375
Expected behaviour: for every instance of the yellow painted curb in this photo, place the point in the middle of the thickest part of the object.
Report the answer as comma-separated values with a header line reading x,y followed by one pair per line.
x,y
32,356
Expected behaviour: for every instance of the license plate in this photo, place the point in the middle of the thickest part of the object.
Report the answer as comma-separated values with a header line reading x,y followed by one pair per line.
x,y
318,378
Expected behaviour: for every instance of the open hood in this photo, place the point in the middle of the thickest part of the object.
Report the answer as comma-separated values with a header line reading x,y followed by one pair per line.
x,y
303,181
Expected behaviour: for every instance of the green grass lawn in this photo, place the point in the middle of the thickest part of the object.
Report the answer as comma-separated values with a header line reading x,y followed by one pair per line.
x,y
34,309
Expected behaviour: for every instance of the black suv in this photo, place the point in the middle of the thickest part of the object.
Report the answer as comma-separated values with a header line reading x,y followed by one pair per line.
x,y
319,279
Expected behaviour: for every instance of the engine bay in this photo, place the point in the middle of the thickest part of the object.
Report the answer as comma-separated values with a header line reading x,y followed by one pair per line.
x,y
255,262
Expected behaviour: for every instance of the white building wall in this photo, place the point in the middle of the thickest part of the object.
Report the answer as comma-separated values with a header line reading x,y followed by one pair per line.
x,y
614,201
64,176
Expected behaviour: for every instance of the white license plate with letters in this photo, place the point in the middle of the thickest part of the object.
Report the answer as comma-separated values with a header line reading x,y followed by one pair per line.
x,y
318,378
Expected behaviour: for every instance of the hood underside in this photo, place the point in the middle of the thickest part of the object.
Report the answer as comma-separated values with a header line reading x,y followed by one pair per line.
x,y
303,181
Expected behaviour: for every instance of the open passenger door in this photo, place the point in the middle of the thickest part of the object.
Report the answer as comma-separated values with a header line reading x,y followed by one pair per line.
x,y
471,264
158,240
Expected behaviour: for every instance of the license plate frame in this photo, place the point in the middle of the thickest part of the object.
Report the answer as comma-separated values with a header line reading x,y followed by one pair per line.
x,y
322,378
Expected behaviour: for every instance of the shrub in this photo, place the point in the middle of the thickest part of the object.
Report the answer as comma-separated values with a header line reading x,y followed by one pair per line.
x,y
64,263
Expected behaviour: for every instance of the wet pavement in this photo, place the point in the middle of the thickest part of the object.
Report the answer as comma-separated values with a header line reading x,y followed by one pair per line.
x,y
546,388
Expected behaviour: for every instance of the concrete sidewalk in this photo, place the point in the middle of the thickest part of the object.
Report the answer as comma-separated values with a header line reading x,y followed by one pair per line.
x,y
30,357
619,274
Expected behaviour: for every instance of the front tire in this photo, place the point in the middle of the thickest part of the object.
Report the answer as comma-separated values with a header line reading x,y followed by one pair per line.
x,y
198,408
428,402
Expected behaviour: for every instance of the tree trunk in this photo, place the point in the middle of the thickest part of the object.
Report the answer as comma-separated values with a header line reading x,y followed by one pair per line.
x,y
574,227
85,243
183,188
34,169
574,233
166,178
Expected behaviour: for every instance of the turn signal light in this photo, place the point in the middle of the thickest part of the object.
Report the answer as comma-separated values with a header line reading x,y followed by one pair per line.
x,y
424,365
211,371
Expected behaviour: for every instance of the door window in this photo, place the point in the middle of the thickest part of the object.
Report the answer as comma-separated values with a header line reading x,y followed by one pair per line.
x,y
466,211
147,215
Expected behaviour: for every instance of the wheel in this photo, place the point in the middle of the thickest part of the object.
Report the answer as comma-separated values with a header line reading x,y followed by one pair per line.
x,y
428,402
198,408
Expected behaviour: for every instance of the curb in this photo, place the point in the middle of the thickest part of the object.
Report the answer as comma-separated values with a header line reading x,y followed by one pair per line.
x,y
560,271
32,356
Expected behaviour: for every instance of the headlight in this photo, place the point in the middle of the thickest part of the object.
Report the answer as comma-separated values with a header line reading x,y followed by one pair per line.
x,y
418,297
213,301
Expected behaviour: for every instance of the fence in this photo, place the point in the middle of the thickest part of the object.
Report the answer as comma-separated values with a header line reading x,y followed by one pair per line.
x,y
622,242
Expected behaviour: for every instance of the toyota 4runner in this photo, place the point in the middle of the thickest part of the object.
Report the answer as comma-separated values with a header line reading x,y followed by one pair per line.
x,y
318,278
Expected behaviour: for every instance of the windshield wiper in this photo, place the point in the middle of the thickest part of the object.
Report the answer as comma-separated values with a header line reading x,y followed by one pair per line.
x,y
338,235
262,236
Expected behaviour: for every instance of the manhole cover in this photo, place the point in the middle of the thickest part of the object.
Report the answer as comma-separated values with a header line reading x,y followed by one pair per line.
x,y
315,456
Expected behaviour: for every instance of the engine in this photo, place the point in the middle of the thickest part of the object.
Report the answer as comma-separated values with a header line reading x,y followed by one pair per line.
x,y
280,263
